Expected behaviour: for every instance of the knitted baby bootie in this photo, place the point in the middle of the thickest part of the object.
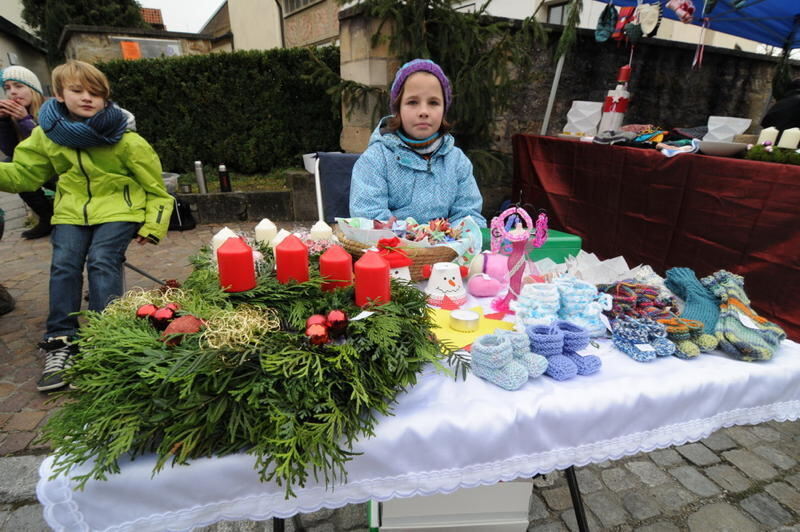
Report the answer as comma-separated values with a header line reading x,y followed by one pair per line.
x,y
548,341
537,304
493,360
575,339
704,341
657,336
701,304
678,333
630,337
741,332
521,345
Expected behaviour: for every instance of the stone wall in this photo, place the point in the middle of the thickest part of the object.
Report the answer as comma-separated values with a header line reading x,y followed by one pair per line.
x,y
362,63
99,45
314,25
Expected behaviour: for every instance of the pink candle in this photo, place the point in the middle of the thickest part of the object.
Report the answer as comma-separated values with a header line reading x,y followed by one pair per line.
x,y
372,279
336,266
237,272
291,260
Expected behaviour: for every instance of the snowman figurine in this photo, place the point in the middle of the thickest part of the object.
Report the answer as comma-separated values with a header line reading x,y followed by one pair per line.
x,y
398,259
445,282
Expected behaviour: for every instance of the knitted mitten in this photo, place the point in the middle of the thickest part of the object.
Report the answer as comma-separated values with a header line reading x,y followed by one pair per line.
x,y
493,360
575,339
741,332
548,341
701,304
535,364
630,337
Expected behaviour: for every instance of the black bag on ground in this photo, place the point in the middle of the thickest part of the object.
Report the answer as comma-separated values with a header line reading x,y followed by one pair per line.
x,y
6,301
181,219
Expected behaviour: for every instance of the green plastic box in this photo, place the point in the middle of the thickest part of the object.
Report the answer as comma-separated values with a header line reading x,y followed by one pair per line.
x,y
558,247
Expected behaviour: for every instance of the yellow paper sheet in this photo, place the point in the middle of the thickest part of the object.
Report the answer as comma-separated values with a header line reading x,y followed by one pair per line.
x,y
443,331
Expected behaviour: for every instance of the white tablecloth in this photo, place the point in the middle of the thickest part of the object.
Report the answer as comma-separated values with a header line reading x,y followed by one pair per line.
x,y
448,435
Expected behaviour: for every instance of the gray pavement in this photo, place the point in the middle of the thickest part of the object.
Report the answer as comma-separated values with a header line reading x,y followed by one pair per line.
x,y
738,479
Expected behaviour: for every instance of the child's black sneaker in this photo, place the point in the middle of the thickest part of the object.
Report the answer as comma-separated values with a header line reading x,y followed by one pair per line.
x,y
58,353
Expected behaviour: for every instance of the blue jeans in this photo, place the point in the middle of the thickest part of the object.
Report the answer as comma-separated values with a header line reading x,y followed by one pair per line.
x,y
102,248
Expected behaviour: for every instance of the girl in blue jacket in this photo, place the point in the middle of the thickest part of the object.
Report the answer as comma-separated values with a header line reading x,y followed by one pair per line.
x,y
411,167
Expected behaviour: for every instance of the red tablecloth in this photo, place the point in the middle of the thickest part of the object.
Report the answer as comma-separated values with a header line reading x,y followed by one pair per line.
x,y
707,213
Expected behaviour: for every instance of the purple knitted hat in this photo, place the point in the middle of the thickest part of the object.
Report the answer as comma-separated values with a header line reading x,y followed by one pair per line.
x,y
420,65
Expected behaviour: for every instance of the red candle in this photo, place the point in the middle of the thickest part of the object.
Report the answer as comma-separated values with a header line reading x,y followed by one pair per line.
x,y
291,260
236,270
336,265
372,279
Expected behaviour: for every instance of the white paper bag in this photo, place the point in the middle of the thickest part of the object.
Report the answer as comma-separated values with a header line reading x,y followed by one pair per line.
x,y
583,117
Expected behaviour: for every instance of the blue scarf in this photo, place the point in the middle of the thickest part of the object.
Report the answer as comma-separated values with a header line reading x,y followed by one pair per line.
x,y
106,127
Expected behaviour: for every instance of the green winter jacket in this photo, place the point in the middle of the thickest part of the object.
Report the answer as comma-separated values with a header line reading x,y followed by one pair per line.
x,y
116,183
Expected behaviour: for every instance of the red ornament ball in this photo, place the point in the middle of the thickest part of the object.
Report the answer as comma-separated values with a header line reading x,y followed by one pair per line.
x,y
161,318
317,334
174,306
316,319
337,322
145,311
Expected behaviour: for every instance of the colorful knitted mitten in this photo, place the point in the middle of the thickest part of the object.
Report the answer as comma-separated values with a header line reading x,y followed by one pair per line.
x,y
548,341
493,360
741,332
701,304
632,338
575,339
521,346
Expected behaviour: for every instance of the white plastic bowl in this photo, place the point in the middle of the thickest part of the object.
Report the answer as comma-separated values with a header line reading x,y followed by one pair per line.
x,y
721,149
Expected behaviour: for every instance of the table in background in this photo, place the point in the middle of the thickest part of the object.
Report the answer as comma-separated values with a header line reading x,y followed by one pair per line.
x,y
707,213
447,435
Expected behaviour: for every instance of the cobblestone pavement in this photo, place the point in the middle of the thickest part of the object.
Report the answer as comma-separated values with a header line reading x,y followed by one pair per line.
x,y
739,479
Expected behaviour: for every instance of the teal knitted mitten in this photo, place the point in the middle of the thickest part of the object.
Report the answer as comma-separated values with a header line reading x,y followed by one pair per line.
x,y
701,304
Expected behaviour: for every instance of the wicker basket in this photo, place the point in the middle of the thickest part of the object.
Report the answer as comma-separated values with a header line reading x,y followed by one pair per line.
x,y
419,256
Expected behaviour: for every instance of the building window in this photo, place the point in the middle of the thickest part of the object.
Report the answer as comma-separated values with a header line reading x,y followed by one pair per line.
x,y
557,13
138,48
290,6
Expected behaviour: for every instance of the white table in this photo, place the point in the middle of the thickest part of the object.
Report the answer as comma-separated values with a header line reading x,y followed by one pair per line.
x,y
450,434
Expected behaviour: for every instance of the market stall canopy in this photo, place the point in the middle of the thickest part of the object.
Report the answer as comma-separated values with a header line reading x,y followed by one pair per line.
x,y
773,22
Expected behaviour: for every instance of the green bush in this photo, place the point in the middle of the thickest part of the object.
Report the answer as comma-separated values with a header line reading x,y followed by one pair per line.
x,y
252,110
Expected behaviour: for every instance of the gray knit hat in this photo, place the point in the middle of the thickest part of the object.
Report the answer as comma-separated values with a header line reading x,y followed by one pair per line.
x,y
22,75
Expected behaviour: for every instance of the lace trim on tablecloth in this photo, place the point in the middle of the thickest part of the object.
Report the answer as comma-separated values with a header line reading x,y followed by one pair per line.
x,y
62,513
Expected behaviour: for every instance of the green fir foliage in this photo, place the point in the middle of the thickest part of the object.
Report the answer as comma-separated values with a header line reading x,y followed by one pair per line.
x,y
776,155
297,408
252,110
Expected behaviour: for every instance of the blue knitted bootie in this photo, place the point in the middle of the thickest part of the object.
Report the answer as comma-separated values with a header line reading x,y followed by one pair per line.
x,y
535,364
548,341
631,337
657,337
575,339
493,360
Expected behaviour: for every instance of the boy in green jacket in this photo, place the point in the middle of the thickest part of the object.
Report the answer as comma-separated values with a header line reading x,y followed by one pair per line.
x,y
109,191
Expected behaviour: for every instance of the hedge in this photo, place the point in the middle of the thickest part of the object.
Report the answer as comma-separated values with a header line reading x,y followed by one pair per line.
x,y
252,110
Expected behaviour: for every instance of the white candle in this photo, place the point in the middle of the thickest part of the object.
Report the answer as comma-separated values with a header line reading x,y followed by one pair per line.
x,y
320,231
769,134
277,239
220,238
790,138
265,231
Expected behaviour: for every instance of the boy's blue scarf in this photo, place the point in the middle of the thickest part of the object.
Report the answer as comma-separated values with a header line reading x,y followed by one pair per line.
x,y
106,127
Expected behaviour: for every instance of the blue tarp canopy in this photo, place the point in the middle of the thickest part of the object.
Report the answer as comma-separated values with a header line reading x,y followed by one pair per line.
x,y
773,22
